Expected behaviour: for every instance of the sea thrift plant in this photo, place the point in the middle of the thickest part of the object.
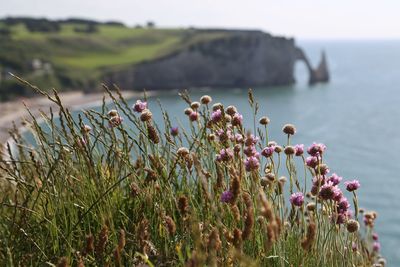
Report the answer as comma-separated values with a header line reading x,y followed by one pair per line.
x,y
140,192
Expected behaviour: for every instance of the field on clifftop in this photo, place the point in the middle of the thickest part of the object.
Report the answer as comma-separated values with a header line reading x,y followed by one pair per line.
x,y
75,57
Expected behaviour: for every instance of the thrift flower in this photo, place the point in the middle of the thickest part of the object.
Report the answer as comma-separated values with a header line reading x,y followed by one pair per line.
x,y
139,106
299,149
297,199
216,116
226,196
174,131
237,119
268,151
335,179
316,149
251,164
352,185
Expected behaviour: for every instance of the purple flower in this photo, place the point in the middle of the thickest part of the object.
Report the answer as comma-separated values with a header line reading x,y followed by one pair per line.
x,y
337,194
352,185
343,205
312,162
216,116
316,149
226,154
174,131
251,140
237,119
376,246
139,106
251,164
335,179
327,191
194,116
375,236
250,151
299,149
226,196
239,138
297,199
268,151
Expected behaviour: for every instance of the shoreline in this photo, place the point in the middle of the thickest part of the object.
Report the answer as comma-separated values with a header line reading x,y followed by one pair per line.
x,y
15,111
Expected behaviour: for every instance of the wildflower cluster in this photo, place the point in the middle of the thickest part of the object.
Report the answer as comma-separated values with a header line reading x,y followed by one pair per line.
x,y
137,192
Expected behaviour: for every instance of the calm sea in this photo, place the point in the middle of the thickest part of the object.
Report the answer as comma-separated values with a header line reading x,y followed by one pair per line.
x,y
357,115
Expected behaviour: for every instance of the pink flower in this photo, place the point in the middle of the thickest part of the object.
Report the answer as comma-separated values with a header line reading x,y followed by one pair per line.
x,y
327,191
237,119
139,106
375,236
316,149
250,151
251,140
226,154
299,149
216,116
335,179
312,162
352,185
268,151
239,138
376,246
194,116
297,199
343,205
226,196
174,131
251,164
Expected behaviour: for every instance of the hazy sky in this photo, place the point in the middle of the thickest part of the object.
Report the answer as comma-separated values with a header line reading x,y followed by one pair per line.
x,y
315,19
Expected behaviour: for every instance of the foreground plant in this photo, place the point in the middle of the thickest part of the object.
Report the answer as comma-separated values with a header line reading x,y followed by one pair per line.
x,y
112,188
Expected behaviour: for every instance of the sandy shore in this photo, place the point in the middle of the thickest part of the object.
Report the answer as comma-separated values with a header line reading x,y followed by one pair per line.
x,y
15,111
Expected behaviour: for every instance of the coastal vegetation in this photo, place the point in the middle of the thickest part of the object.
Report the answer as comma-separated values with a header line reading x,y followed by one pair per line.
x,y
114,187
76,53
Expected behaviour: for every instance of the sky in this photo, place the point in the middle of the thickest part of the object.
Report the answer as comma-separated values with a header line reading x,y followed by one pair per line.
x,y
304,19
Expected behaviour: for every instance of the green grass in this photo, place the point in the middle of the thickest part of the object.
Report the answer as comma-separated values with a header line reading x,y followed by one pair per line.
x,y
98,191
81,59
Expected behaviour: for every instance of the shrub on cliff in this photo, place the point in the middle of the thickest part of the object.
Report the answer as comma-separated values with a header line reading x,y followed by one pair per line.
x,y
112,188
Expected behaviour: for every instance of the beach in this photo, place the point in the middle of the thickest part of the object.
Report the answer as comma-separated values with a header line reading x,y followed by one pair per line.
x,y
16,110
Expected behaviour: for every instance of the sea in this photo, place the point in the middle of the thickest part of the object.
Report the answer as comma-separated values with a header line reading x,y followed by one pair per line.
x,y
356,115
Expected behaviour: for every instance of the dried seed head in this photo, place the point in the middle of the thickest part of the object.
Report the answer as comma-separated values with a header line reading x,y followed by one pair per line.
x,y
352,226
182,152
310,206
205,99
183,205
249,217
264,181
270,176
121,239
89,244
195,105
63,262
235,212
231,110
289,129
188,111
228,118
289,150
264,120
102,241
282,179
308,241
211,137
217,106
152,133
272,144
86,128
169,222
278,149
146,115
113,113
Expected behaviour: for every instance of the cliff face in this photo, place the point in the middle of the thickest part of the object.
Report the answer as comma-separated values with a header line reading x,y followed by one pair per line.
x,y
240,59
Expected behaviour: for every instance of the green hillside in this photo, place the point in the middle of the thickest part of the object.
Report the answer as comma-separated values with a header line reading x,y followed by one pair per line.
x,y
75,54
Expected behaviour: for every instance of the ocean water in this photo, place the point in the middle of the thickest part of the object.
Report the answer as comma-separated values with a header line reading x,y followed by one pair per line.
x,y
357,115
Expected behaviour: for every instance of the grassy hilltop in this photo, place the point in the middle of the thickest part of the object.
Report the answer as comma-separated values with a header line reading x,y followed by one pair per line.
x,y
79,51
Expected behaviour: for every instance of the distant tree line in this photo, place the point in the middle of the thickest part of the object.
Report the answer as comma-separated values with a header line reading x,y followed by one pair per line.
x,y
46,25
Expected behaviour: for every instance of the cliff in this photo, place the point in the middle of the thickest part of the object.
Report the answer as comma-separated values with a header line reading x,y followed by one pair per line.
x,y
238,59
